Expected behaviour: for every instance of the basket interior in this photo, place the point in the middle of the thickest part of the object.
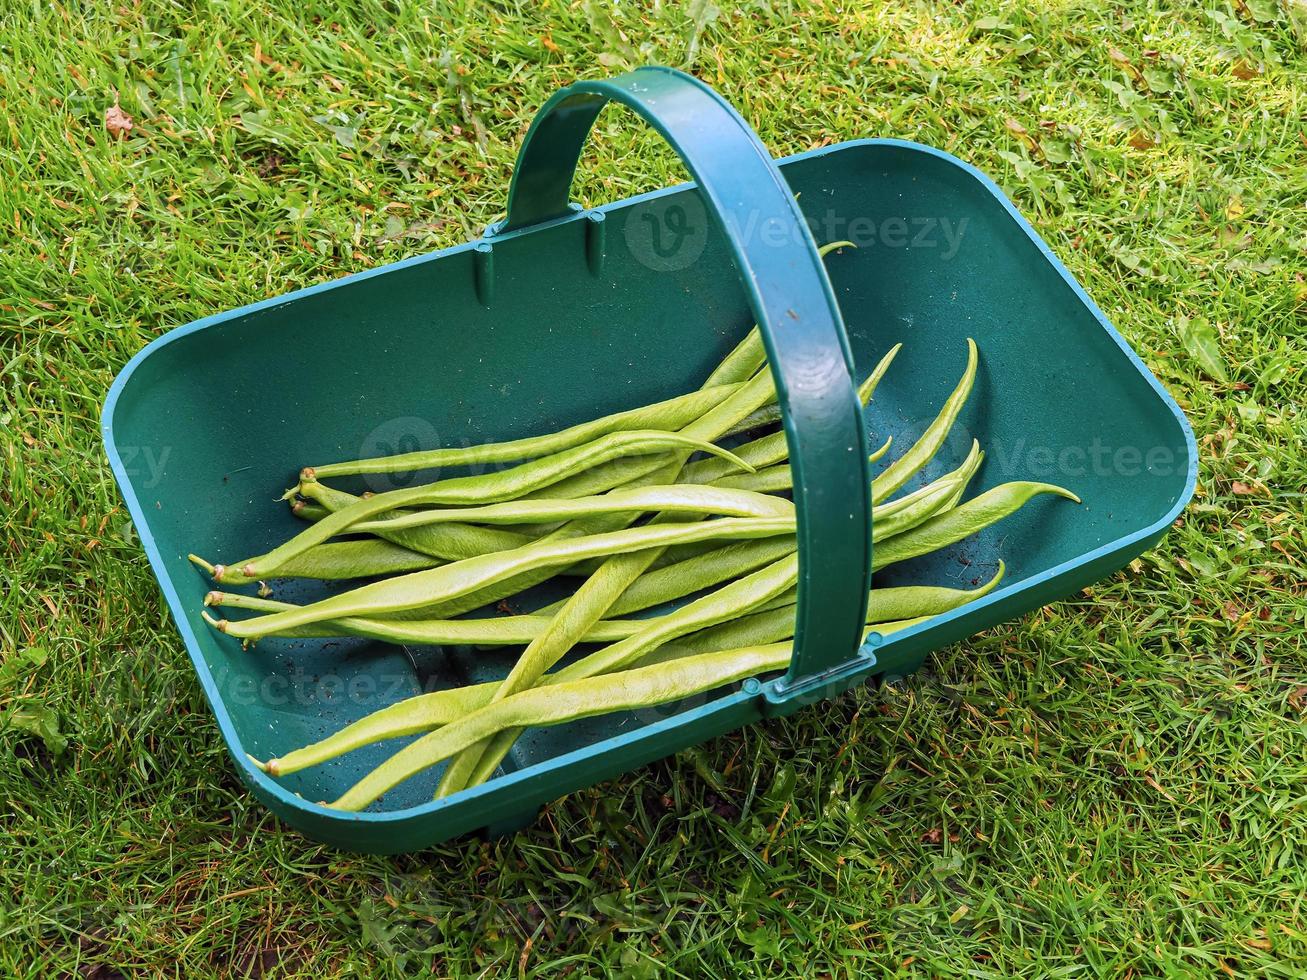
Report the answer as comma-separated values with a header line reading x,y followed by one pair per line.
x,y
407,357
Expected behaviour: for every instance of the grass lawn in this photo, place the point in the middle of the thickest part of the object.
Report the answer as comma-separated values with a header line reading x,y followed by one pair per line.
x,y
1114,785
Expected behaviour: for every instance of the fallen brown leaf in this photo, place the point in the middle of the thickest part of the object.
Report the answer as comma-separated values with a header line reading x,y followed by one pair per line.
x,y
117,122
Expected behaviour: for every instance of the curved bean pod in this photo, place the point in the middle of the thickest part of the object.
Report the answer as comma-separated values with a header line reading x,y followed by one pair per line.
x,y
921,452
452,542
492,631
468,490
627,690
667,415
889,607
738,597
742,363
701,572
408,717
448,581
675,499
963,521
336,560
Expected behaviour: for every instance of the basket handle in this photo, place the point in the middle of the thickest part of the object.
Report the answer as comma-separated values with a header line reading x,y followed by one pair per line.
x,y
795,308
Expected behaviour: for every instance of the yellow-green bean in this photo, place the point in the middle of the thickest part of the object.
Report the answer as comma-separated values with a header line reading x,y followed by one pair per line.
x,y
626,690
419,589
429,711
451,542
924,449
667,415
469,490
675,499
491,631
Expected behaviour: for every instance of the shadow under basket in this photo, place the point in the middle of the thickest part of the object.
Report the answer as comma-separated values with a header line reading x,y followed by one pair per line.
x,y
560,315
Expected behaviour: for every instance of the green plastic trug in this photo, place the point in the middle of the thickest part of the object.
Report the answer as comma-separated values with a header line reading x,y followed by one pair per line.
x,y
455,349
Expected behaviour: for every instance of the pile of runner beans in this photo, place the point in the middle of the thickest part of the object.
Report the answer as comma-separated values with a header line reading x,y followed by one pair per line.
x,y
628,506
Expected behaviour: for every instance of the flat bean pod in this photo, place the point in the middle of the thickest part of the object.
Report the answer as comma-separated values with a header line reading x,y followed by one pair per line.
x,y
336,560
963,521
624,691
668,415
734,599
925,448
676,499
448,581
491,631
453,542
468,490
742,363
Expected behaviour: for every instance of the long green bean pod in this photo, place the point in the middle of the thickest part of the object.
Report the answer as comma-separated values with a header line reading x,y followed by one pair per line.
x,y
491,631
451,542
908,604
337,560
411,716
675,499
668,415
468,490
738,597
924,449
701,572
626,690
963,521
886,609
448,581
